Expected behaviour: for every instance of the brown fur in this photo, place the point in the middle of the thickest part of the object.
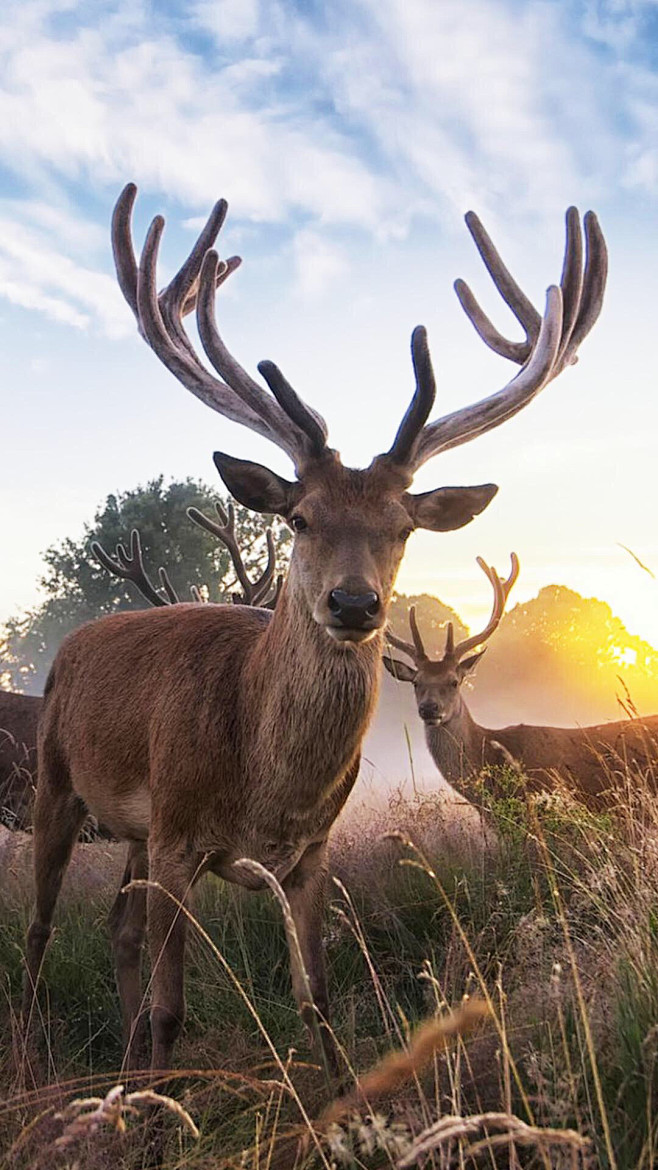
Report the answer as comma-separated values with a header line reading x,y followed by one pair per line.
x,y
19,715
219,732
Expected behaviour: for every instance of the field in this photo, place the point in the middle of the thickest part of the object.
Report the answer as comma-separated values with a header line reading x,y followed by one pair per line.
x,y
547,913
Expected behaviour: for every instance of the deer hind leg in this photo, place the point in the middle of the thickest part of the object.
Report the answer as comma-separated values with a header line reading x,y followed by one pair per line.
x,y
305,889
127,922
174,871
58,817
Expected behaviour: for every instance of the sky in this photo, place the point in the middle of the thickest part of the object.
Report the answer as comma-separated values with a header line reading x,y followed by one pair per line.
x,y
349,139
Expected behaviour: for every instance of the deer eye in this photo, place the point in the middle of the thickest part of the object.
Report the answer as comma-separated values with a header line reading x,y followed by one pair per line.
x,y
454,683
298,523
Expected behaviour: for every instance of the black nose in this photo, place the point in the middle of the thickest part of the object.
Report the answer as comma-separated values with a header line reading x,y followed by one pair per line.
x,y
352,610
428,710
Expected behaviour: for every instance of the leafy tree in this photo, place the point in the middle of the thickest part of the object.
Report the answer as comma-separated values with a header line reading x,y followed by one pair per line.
x,y
76,589
562,658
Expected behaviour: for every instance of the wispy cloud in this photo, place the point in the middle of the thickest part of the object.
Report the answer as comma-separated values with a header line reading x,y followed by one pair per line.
x,y
365,115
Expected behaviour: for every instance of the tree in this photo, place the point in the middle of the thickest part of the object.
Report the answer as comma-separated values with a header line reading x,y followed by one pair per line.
x,y
562,658
78,590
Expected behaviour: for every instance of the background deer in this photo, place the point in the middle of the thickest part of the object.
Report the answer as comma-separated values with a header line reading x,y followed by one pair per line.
x,y
587,758
129,566
204,734
19,716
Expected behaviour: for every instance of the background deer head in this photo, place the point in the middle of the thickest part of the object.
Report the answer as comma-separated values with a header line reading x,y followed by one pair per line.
x,y
437,685
351,525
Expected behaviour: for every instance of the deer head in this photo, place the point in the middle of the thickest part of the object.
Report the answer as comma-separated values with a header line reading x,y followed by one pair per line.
x,y
351,525
437,685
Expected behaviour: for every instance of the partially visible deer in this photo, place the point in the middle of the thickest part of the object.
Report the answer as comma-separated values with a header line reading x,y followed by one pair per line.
x,y
205,734
585,757
19,715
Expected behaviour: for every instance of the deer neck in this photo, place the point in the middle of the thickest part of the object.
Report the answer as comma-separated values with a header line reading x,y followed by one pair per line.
x,y
459,749
311,700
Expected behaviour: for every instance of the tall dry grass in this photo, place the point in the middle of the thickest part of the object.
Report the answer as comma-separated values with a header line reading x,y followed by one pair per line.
x,y
542,911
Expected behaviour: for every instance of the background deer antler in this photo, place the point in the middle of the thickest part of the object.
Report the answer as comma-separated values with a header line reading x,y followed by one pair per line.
x,y
501,590
130,567
253,592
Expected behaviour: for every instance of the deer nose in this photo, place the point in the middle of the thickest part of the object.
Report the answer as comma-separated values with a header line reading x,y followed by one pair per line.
x,y
353,610
428,710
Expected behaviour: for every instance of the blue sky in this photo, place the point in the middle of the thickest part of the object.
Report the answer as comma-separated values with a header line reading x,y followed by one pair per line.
x,y
349,139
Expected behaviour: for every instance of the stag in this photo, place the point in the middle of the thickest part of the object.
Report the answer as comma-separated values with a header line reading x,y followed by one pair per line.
x,y
588,759
209,734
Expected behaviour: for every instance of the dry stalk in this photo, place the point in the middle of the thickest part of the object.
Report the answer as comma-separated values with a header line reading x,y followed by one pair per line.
x,y
451,1129
86,1115
397,1067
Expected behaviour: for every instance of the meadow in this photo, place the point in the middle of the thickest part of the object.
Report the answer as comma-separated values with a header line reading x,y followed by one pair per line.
x,y
546,912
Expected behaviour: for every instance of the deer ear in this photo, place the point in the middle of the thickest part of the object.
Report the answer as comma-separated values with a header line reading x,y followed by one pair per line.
x,y
400,670
256,486
469,664
449,507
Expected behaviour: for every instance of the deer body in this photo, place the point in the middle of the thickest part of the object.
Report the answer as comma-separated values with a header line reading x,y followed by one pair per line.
x,y
204,733
272,765
584,757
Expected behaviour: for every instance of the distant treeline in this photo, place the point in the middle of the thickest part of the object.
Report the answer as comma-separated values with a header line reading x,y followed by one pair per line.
x,y
560,658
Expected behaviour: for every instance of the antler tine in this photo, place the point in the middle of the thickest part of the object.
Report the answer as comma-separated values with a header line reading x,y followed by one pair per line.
x,y
196,594
226,533
262,586
159,318
415,633
400,644
174,599
129,567
271,601
221,512
422,402
450,640
501,590
234,374
551,341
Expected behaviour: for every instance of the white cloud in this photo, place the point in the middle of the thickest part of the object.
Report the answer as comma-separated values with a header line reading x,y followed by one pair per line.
x,y
318,264
36,275
381,111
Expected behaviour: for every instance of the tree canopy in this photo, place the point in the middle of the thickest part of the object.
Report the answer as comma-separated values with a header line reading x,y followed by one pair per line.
x,y
564,658
77,589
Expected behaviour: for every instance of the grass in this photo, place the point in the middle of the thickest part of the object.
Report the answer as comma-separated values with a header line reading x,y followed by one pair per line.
x,y
548,913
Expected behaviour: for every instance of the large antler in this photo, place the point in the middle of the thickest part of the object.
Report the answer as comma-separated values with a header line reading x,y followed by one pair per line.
x,y
130,567
253,591
285,419
502,589
551,342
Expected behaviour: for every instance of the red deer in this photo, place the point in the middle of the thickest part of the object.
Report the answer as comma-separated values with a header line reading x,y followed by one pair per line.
x,y
206,734
586,758
19,715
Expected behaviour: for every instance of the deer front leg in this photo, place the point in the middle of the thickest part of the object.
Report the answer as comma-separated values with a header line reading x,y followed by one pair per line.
x,y
174,870
127,921
305,889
